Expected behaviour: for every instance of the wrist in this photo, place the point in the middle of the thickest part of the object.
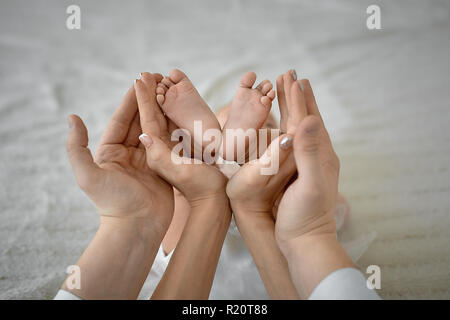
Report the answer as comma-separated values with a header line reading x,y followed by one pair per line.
x,y
217,198
312,258
251,209
323,249
134,227
306,244
118,259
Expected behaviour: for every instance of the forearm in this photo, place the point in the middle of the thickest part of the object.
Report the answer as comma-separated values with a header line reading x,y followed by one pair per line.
x,y
312,258
191,270
259,235
118,259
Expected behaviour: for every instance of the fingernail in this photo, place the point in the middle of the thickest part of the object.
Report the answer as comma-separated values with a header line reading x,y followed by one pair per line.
x,y
140,75
146,140
70,122
286,142
294,74
301,85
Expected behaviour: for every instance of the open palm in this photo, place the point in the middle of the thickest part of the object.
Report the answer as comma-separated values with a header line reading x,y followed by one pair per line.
x,y
118,179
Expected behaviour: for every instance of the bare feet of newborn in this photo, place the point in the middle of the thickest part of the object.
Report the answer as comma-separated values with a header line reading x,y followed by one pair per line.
x,y
178,98
249,110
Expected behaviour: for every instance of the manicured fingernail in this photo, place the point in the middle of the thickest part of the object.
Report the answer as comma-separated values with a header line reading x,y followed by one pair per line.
x,y
286,142
301,85
294,74
70,122
146,140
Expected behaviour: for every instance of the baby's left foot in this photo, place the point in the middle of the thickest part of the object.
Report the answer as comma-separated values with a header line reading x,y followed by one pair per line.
x,y
249,110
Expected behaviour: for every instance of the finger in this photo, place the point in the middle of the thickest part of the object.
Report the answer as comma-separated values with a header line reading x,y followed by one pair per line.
x,y
275,155
312,107
289,78
297,108
147,109
311,104
162,160
132,139
306,149
117,129
80,157
286,171
282,104
151,84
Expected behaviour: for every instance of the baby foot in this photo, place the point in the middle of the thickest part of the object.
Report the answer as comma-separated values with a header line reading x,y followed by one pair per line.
x,y
249,110
181,102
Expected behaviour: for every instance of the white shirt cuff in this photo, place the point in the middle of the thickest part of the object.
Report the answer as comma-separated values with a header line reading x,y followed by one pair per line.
x,y
65,295
344,284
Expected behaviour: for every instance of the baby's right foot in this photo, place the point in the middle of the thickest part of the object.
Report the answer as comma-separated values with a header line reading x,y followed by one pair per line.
x,y
182,103
249,110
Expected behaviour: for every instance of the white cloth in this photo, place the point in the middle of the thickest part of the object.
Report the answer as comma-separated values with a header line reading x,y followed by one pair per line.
x,y
236,276
65,295
344,284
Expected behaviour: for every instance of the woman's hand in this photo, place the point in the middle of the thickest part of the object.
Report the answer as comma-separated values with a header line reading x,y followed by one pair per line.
x,y
250,190
118,180
307,205
192,267
305,226
196,180
254,196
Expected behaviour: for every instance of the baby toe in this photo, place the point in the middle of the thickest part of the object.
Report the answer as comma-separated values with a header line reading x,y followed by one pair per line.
x,y
271,94
266,101
176,75
260,86
160,90
158,77
160,99
266,88
247,80
167,82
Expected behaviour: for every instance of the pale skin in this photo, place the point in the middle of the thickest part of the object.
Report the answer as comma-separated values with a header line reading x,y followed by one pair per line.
x,y
192,267
176,85
255,214
254,196
135,205
305,227
132,225
178,98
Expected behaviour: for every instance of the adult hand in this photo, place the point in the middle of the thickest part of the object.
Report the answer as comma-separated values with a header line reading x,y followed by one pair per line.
x,y
118,180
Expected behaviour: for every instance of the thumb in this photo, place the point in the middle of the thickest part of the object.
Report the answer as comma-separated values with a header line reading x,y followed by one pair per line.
x,y
275,156
80,156
161,159
306,148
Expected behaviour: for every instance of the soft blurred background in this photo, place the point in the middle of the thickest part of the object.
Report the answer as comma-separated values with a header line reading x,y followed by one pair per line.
x,y
384,94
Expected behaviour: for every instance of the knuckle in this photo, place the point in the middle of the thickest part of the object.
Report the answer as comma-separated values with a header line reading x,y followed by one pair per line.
x,y
311,145
314,194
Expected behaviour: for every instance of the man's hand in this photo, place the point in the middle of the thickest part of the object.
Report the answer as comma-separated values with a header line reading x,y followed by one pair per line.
x,y
135,205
